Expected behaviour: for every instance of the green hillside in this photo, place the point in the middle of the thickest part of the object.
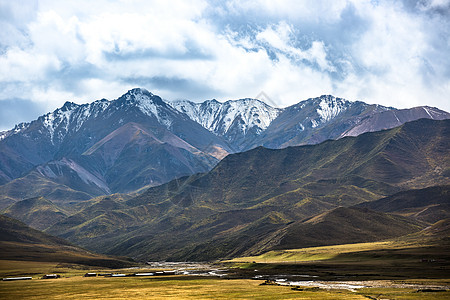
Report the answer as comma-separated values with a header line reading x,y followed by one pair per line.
x,y
339,226
38,212
433,240
20,242
430,204
35,185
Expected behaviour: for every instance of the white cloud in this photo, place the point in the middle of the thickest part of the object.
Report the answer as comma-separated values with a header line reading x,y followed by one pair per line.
x,y
19,65
377,52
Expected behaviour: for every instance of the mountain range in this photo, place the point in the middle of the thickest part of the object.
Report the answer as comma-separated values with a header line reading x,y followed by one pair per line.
x,y
266,198
159,180
139,140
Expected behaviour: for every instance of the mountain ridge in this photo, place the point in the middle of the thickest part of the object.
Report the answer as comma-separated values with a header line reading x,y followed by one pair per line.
x,y
140,140
68,145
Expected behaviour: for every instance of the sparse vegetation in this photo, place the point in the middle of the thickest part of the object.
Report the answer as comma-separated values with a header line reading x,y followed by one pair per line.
x,y
73,285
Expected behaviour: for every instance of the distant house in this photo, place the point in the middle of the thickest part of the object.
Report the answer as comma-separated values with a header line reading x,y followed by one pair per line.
x,y
144,274
51,276
16,278
90,274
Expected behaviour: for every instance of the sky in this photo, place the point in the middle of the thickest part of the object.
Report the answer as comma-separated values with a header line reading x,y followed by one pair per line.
x,y
394,53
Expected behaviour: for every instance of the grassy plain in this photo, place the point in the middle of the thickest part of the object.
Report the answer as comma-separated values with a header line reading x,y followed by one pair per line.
x,y
184,287
410,257
73,285
322,253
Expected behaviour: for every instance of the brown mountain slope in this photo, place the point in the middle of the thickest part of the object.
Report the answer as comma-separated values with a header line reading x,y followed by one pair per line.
x,y
20,242
339,226
430,204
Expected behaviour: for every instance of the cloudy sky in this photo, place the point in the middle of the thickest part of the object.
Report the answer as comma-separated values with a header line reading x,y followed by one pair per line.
x,y
394,53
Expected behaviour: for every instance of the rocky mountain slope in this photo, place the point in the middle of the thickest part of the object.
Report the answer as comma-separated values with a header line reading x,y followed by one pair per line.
x,y
110,146
249,123
318,119
238,121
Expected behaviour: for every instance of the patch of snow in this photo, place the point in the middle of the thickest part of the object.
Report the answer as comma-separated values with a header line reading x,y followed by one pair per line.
x,y
17,129
147,105
383,108
205,113
219,117
48,123
89,111
3,135
330,107
396,117
426,110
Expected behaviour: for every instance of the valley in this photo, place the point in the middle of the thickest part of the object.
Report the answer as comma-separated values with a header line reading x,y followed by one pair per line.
x,y
236,149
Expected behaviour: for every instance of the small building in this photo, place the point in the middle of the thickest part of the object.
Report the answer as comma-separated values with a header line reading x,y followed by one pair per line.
x,y
90,275
51,276
17,278
144,274
169,272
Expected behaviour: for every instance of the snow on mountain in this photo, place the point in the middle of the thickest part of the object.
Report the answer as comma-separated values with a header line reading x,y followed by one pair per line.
x,y
219,117
330,107
71,116
205,113
149,104
18,128
151,143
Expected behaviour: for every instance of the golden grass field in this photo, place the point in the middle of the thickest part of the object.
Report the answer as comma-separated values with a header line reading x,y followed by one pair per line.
x,y
73,285
321,253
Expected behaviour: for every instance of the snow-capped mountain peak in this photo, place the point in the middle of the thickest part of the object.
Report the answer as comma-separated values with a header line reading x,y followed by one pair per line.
x,y
221,118
148,103
330,107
